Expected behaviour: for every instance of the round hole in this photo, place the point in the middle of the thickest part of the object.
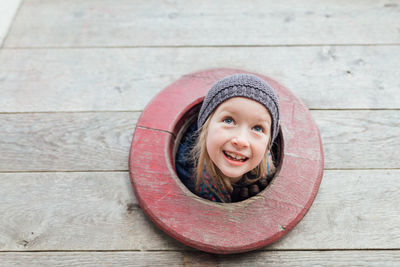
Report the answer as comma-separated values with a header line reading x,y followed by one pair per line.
x,y
217,227
183,144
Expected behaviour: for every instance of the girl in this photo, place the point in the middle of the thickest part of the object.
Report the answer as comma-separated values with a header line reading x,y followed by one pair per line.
x,y
238,123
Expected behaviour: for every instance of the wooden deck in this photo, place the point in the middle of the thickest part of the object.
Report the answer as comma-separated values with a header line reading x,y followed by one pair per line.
x,y
76,74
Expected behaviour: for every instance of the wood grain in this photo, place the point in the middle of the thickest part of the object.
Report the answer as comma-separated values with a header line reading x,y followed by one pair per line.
x,y
47,23
74,211
172,258
312,258
8,8
101,141
325,77
350,207
98,211
360,139
66,141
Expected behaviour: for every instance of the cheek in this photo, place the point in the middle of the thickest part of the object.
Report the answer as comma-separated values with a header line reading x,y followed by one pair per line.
x,y
211,145
260,149
214,142
210,142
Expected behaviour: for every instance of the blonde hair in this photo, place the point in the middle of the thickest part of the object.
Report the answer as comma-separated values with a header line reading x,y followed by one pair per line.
x,y
202,160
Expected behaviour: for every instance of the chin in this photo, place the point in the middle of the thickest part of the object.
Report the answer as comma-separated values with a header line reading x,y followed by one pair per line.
x,y
233,176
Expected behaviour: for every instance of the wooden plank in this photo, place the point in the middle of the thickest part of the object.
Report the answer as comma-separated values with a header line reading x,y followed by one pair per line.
x,y
48,23
97,211
172,258
74,211
313,258
66,141
101,141
360,139
8,8
347,212
127,79
93,259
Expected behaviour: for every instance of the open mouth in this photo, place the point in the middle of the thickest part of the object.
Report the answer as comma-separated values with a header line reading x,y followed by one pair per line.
x,y
235,157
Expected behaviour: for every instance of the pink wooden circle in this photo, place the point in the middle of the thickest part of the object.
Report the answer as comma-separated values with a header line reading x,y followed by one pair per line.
x,y
215,227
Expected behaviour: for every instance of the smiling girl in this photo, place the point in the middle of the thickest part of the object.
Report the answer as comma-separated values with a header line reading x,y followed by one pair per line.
x,y
238,123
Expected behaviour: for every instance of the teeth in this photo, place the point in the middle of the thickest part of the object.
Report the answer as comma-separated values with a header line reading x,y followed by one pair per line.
x,y
235,156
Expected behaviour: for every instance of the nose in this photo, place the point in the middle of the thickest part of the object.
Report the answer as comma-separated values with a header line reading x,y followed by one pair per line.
x,y
240,140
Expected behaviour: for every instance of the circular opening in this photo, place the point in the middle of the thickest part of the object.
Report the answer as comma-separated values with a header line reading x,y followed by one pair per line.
x,y
186,128
218,227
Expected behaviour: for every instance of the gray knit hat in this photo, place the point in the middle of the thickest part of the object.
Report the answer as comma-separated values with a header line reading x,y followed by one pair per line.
x,y
245,85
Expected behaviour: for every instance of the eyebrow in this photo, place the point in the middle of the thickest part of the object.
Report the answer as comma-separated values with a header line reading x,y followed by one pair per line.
x,y
261,118
257,118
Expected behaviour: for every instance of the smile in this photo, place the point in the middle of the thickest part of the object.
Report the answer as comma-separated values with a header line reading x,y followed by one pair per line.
x,y
235,157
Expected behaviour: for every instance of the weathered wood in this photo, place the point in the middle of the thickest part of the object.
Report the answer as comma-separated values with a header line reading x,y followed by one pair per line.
x,y
74,211
172,258
44,23
66,141
312,258
360,139
349,209
223,229
127,79
94,259
101,141
8,8
98,211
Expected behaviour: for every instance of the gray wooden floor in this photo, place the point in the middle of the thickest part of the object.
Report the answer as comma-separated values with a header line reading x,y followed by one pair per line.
x,y
76,74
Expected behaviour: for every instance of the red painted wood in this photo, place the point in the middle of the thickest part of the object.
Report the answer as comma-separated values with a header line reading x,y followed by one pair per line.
x,y
214,227
175,100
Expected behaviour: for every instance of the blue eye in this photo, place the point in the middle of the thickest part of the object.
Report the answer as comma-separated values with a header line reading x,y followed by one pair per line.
x,y
228,120
258,129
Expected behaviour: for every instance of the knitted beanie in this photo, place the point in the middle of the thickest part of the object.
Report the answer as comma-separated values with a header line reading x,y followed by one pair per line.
x,y
244,85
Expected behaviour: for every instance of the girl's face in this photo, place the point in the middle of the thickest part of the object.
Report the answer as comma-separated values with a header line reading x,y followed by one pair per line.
x,y
238,136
